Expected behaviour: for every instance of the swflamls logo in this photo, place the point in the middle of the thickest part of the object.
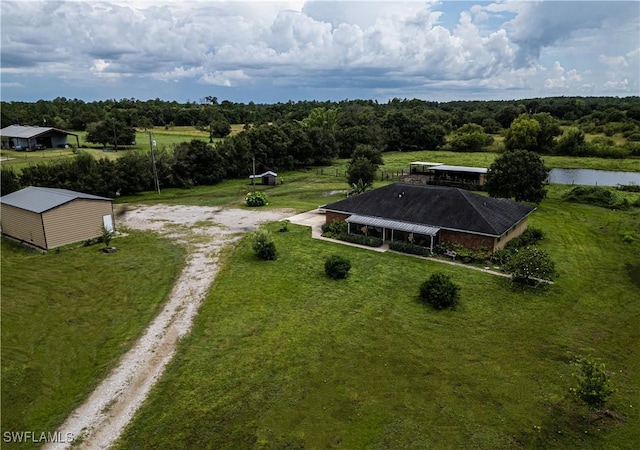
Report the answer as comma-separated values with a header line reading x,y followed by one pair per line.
x,y
35,437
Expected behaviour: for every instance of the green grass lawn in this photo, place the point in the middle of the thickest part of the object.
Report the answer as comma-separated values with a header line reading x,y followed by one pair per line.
x,y
301,190
67,316
283,357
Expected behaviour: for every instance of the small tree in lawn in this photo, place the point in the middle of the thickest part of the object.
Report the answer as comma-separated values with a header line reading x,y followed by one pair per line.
x,y
107,235
337,266
593,386
264,246
530,266
440,292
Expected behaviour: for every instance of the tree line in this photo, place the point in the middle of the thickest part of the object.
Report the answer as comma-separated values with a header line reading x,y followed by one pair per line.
x,y
594,114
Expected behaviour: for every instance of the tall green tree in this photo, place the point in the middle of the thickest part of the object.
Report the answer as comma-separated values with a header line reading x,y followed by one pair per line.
x,y
219,128
324,118
111,132
549,129
469,138
198,163
9,180
518,174
535,133
361,171
523,134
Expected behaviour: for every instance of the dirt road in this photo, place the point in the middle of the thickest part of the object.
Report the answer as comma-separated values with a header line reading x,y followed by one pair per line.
x,y
98,422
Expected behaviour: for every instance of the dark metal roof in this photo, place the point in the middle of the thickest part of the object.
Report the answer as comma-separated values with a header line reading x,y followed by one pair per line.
x,y
41,199
436,206
19,131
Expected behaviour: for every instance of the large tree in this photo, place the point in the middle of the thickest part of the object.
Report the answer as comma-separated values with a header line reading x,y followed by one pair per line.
x,y
535,133
197,163
469,138
361,171
518,174
111,132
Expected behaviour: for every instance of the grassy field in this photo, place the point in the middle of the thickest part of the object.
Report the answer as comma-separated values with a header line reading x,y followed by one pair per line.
x,y
308,189
283,357
67,317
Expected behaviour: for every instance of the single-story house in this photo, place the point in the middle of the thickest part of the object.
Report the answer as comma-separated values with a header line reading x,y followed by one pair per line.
x,y
431,215
50,218
19,137
446,175
269,178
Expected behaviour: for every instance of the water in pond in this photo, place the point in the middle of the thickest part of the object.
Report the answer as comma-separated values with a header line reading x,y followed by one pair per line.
x,y
590,177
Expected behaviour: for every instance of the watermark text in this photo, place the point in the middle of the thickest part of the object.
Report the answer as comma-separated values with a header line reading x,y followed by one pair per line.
x,y
38,437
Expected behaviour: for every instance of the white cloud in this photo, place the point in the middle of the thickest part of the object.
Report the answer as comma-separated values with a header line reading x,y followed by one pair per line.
x,y
561,79
324,45
224,78
617,85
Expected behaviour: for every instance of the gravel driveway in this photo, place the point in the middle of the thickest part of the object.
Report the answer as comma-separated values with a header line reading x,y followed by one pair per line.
x,y
205,231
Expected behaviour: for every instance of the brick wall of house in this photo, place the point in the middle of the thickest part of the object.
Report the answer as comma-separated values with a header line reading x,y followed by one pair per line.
x,y
467,239
331,216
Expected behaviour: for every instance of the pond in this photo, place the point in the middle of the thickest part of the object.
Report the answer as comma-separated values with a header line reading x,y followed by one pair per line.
x,y
590,177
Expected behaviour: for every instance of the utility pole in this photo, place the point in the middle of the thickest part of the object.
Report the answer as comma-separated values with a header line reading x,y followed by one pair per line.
x,y
156,182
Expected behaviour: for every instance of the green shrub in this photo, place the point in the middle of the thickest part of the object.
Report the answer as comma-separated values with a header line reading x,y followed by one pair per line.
x,y
530,266
337,266
530,236
628,187
440,292
284,226
634,137
502,256
264,246
408,247
595,195
593,386
256,198
361,239
633,148
335,228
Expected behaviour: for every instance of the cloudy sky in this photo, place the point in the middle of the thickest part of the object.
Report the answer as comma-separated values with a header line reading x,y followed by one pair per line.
x,y
318,50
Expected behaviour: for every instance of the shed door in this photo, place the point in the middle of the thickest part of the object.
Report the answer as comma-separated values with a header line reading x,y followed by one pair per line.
x,y
108,222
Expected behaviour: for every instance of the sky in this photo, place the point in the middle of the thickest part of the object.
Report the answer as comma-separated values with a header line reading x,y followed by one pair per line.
x,y
268,52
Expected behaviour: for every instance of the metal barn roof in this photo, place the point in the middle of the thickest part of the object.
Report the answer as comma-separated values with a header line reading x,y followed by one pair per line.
x,y
393,224
446,168
41,199
268,172
23,132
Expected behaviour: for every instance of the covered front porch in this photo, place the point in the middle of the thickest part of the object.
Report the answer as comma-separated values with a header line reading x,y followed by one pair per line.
x,y
394,230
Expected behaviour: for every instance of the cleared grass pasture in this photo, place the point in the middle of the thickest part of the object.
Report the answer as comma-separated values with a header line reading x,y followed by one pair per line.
x,y
67,316
283,357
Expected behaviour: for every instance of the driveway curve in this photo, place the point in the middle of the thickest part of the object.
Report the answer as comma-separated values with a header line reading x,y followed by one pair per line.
x,y
100,420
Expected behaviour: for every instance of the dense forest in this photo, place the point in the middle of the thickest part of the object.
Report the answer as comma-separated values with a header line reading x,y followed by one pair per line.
x,y
291,135
492,115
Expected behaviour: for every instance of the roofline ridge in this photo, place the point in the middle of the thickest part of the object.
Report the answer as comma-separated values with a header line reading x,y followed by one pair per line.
x,y
463,192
